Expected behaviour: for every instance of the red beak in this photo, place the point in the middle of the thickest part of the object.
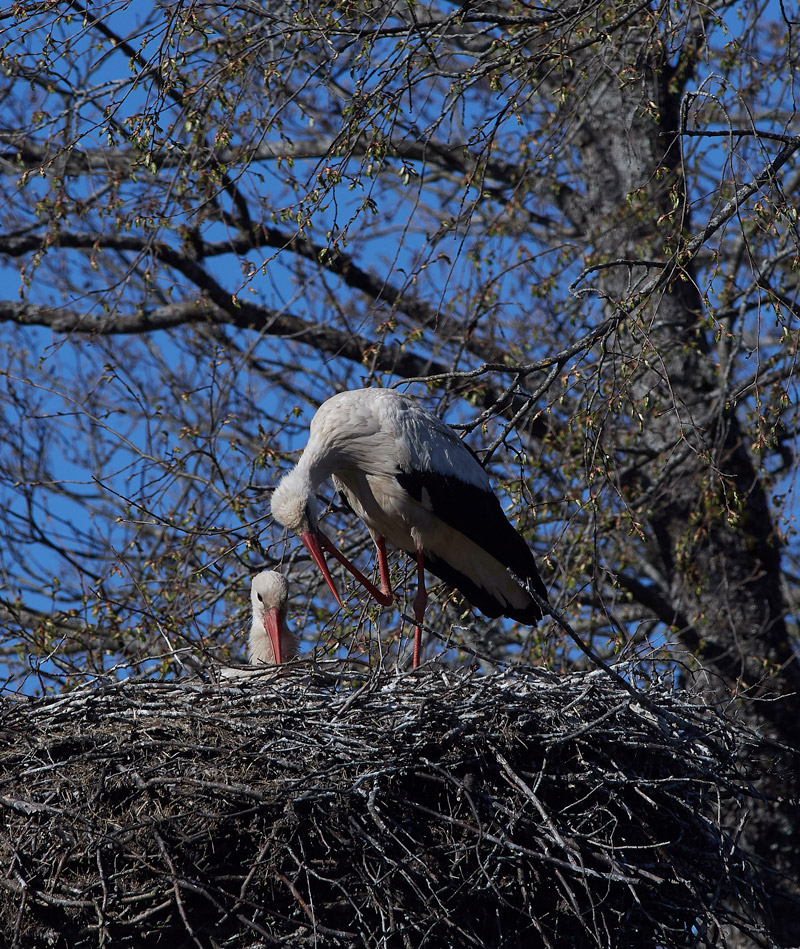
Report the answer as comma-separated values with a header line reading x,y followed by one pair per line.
x,y
311,541
324,543
273,623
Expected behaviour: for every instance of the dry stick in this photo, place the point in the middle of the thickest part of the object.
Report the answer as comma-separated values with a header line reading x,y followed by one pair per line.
x,y
660,713
176,887
462,647
483,705
549,610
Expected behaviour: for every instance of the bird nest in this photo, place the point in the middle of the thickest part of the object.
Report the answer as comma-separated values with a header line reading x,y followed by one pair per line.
x,y
436,808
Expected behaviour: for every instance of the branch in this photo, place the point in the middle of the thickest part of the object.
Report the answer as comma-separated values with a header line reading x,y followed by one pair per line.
x,y
326,339
337,263
653,599
167,317
729,210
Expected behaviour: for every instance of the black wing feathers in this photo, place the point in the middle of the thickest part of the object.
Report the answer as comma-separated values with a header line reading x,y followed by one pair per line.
x,y
476,513
477,596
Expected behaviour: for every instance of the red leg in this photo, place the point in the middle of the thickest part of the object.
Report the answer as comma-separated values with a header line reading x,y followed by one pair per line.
x,y
383,564
385,599
420,601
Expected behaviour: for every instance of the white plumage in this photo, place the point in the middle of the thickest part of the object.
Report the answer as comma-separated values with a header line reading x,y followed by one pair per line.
x,y
417,485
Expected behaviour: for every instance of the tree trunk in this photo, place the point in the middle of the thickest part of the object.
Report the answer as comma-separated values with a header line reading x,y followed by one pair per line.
x,y
712,537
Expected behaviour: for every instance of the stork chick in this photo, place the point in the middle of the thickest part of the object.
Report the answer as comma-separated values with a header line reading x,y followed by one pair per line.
x,y
270,640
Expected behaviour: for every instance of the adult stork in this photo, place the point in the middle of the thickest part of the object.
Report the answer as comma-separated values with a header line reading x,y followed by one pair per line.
x,y
417,485
270,640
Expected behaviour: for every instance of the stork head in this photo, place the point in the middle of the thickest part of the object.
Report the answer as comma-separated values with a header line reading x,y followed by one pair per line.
x,y
293,505
270,640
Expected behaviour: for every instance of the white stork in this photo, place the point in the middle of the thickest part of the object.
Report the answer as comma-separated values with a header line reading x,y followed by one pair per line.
x,y
270,639
417,485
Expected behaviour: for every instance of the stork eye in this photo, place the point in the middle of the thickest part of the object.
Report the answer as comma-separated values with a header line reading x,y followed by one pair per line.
x,y
260,597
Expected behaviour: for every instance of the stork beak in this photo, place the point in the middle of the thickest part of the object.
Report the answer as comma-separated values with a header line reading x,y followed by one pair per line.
x,y
273,623
312,544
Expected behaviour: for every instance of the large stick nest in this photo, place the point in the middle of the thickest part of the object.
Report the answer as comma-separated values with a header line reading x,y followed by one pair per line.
x,y
430,809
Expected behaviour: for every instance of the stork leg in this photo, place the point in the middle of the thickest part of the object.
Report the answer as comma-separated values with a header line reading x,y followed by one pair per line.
x,y
383,564
420,601
384,598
